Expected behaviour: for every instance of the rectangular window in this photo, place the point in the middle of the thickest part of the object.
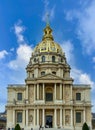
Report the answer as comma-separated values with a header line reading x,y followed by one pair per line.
x,y
32,75
78,96
19,117
49,97
78,117
19,96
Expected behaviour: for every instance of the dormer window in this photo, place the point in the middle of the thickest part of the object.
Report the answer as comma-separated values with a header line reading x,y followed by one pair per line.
x,y
43,58
53,58
54,72
34,59
42,73
61,59
32,75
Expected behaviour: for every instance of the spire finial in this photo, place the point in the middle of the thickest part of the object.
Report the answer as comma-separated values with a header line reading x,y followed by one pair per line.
x,y
47,18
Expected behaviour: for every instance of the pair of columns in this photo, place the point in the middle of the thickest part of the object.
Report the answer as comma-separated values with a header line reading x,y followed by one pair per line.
x,y
43,117
38,91
25,117
44,91
60,91
55,118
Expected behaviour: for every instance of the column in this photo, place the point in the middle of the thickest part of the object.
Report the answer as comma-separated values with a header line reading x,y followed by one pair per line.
x,y
71,118
37,91
55,118
84,114
27,92
23,117
34,117
37,117
60,91
14,117
34,92
63,94
74,118
55,90
43,90
43,118
27,117
71,92
61,117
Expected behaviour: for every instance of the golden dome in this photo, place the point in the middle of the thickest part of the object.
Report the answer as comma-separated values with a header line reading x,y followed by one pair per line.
x,y
48,44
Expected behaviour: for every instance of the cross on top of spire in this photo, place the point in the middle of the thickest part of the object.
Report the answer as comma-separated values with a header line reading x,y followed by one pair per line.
x,y
47,18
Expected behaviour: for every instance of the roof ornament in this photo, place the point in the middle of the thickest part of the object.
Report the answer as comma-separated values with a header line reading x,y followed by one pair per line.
x,y
47,30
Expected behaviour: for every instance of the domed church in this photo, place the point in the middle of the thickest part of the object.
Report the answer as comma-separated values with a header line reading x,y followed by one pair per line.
x,y
48,99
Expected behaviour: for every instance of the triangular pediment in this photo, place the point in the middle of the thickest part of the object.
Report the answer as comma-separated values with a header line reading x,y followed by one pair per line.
x,y
50,76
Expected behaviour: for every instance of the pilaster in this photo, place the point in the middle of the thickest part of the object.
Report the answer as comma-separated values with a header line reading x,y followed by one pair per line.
x,y
71,118
60,91
27,117
37,91
43,122
84,114
55,118
37,117
43,90
55,90
34,118
23,118
61,117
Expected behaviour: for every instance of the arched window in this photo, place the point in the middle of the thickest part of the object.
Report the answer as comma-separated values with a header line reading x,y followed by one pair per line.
x,y
61,59
78,96
34,59
53,58
43,73
49,94
43,58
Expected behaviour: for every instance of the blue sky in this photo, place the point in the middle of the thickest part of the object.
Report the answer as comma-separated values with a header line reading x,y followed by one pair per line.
x,y
21,28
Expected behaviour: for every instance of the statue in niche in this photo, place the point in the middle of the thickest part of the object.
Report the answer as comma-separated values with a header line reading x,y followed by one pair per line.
x,y
67,119
30,118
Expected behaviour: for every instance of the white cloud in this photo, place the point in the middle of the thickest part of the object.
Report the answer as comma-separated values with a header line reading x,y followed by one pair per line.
x,y
78,75
67,46
85,24
81,77
87,28
23,52
23,55
3,54
19,29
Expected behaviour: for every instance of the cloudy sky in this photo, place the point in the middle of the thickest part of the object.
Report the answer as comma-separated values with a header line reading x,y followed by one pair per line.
x,y
21,28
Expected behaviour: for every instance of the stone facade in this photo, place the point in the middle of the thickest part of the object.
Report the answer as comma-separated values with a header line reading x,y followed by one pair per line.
x,y
48,98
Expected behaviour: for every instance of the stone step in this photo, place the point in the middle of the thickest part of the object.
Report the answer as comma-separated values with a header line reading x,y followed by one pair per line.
x,y
52,129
